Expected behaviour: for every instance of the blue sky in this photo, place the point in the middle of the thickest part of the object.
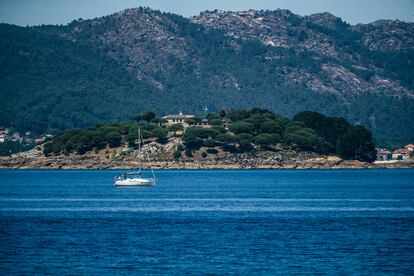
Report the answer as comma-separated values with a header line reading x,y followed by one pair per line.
x,y
36,12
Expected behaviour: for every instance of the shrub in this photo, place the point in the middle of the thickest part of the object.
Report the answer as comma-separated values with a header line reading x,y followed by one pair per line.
x,y
188,153
220,129
212,151
209,143
160,133
213,116
226,138
175,127
177,154
204,154
190,121
180,147
216,122
147,134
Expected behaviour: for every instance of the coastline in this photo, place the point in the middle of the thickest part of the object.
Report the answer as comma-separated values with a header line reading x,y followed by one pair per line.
x,y
287,159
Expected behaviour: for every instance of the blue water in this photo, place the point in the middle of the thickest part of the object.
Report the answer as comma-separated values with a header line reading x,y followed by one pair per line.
x,y
209,222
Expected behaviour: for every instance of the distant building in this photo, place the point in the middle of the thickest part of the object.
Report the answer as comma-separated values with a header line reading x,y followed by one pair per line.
x,y
204,122
16,137
401,154
409,147
176,133
383,154
2,138
39,140
177,119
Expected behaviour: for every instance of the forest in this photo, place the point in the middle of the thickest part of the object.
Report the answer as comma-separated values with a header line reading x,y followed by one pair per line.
x,y
233,131
53,79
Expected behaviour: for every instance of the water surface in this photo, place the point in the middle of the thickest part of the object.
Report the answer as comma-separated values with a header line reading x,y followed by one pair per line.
x,y
208,221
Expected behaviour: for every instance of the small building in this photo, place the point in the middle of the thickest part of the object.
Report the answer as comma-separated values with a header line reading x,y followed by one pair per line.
x,y
177,133
39,140
204,122
401,154
2,138
383,154
409,147
176,119
16,137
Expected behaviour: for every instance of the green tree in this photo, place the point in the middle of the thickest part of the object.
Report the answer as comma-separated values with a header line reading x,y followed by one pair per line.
x,y
175,127
241,127
148,116
160,134
357,143
272,127
226,138
113,138
219,129
245,141
209,143
264,139
177,154
215,122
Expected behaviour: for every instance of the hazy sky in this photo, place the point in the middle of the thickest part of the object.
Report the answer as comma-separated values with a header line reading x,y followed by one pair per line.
x,y
35,12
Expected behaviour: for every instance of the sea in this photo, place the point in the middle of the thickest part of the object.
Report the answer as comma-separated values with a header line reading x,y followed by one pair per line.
x,y
216,222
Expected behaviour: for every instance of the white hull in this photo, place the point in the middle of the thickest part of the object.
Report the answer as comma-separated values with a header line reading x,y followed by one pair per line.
x,y
135,182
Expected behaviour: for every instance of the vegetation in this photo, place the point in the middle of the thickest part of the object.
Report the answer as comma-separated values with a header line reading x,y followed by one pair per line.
x,y
256,129
53,78
10,147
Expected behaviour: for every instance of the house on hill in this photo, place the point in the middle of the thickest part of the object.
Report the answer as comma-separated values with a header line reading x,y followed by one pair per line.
x,y
176,119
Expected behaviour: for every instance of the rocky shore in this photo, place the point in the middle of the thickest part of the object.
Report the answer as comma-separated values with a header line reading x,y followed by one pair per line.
x,y
121,159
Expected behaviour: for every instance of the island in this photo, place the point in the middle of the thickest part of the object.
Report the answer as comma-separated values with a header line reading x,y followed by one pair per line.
x,y
231,139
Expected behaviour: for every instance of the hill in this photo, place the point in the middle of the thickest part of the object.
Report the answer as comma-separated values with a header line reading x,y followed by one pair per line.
x,y
106,69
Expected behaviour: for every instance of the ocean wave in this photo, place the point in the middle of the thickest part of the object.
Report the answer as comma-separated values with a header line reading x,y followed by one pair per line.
x,y
211,209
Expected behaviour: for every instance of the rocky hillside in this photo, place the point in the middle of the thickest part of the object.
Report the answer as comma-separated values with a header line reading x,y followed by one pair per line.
x,y
109,68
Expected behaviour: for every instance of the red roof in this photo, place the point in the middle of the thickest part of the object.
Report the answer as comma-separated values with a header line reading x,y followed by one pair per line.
x,y
401,151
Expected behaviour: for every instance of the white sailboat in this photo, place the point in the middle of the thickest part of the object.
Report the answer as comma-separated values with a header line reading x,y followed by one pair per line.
x,y
135,178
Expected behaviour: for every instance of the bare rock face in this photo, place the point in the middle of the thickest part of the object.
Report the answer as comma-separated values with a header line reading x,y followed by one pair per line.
x,y
387,35
150,44
164,62
318,33
140,38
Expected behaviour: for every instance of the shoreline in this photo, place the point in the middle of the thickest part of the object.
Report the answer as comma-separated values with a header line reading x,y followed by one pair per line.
x,y
272,160
207,169
343,165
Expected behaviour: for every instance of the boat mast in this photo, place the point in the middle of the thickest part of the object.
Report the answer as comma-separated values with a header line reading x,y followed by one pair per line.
x,y
139,149
147,156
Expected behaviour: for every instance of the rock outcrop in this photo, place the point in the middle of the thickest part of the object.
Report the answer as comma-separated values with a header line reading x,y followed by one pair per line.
x,y
120,158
